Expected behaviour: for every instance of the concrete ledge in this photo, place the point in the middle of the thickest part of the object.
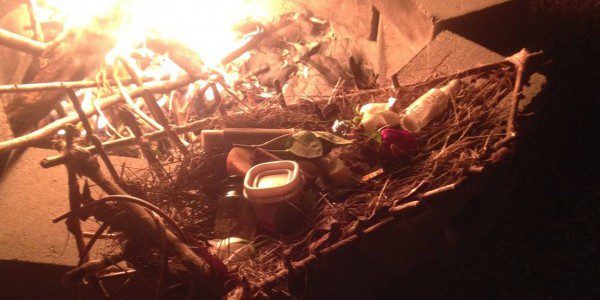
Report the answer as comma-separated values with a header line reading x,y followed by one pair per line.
x,y
498,25
34,252
495,24
442,11
446,54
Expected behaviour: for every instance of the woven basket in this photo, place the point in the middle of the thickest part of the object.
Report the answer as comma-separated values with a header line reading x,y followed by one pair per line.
x,y
394,220
406,228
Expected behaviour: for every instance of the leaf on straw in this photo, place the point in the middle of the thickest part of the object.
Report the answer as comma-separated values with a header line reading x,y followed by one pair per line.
x,y
306,144
332,138
302,144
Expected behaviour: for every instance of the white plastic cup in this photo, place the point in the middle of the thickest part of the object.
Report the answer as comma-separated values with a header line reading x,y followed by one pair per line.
x,y
274,189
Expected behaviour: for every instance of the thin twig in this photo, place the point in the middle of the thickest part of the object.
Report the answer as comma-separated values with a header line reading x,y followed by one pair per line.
x,y
21,43
153,162
164,262
473,71
127,141
133,106
519,60
187,107
48,86
93,138
125,199
231,93
218,103
48,130
96,236
350,95
38,33
152,104
101,116
209,270
77,274
73,223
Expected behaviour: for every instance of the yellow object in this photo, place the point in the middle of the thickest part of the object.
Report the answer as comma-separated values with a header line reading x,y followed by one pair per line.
x,y
377,115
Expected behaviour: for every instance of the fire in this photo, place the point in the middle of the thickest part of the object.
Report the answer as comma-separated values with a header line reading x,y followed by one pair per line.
x,y
205,26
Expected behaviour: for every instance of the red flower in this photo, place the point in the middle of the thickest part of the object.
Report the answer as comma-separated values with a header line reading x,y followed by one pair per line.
x,y
397,144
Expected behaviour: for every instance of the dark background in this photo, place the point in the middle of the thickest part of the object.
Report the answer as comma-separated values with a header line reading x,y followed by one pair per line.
x,y
538,235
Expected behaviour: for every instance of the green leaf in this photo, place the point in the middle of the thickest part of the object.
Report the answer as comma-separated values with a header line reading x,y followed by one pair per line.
x,y
376,135
302,144
306,144
332,138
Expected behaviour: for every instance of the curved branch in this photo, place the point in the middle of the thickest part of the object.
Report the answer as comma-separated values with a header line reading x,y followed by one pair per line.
x,y
125,198
95,237
90,267
21,43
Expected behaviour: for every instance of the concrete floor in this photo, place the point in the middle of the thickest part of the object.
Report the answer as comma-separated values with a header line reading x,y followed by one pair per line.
x,y
32,248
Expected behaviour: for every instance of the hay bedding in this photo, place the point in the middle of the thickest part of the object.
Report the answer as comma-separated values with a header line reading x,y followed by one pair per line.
x,y
463,137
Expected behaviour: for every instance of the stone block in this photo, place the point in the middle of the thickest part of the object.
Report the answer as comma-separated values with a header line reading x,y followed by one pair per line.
x,y
496,24
446,54
442,11
414,28
30,197
499,25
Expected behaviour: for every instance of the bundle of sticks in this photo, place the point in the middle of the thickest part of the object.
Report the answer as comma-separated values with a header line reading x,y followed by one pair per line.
x,y
35,101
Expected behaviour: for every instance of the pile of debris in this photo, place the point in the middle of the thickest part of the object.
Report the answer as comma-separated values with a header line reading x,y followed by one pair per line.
x,y
259,169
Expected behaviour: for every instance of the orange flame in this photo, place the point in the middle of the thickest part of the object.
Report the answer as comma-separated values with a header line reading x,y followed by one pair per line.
x,y
203,25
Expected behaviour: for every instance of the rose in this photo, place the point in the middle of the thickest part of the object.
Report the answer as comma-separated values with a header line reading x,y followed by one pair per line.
x,y
397,144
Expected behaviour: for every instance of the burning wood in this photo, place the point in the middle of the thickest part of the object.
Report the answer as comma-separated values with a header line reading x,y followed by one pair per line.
x,y
21,43
46,131
73,56
45,86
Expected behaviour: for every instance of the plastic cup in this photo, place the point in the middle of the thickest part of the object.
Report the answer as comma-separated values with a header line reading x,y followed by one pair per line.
x,y
275,190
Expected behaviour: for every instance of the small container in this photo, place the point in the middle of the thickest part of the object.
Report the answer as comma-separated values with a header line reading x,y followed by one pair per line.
x,y
428,107
226,216
275,189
